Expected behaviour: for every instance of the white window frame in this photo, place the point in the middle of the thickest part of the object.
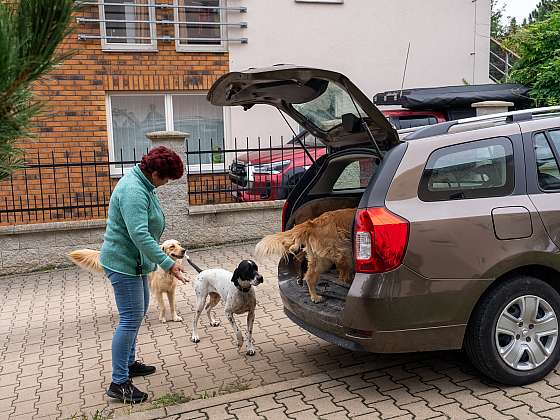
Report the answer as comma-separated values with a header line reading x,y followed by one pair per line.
x,y
321,1
222,47
110,46
117,171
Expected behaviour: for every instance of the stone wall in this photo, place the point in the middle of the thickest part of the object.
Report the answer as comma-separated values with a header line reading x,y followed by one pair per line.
x,y
26,248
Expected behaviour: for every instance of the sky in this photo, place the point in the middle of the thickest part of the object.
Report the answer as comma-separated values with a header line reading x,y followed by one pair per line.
x,y
518,8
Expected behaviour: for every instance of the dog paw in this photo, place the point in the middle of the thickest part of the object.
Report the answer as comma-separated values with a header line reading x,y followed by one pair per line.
x,y
163,320
317,299
251,352
195,339
215,323
177,318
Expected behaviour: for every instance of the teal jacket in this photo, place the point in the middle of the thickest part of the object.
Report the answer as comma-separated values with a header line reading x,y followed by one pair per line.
x,y
134,226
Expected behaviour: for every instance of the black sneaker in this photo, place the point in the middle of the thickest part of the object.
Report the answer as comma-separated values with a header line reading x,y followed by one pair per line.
x,y
126,392
140,369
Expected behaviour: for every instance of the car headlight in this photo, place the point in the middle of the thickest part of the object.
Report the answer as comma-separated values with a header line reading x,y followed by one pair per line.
x,y
273,168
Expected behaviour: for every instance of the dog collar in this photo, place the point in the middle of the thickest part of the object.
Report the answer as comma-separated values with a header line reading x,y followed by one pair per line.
x,y
242,289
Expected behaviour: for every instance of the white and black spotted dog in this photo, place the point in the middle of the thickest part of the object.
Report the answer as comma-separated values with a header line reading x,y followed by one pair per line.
x,y
237,292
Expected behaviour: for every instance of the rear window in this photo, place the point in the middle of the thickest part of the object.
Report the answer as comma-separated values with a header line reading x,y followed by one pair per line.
x,y
412,121
347,173
479,169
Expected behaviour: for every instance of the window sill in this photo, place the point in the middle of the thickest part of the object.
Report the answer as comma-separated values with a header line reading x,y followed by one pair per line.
x,y
200,48
128,48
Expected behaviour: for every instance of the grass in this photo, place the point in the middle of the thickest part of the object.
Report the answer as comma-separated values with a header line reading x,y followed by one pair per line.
x,y
98,415
167,400
170,399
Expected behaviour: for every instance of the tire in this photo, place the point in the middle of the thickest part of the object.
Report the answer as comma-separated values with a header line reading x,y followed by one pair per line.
x,y
503,308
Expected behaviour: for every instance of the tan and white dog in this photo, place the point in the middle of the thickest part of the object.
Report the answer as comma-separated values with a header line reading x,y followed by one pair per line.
x,y
160,281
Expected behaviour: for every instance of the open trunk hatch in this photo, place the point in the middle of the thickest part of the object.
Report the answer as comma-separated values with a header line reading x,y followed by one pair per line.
x,y
326,103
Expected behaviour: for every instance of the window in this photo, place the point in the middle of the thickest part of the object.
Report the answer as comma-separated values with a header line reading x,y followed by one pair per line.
x,y
479,169
411,121
199,25
193,114
327,109
355,175
127,25
547,167
131,116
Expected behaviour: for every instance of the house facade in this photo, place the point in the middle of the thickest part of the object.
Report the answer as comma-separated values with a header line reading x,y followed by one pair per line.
x,y
447,43
146,65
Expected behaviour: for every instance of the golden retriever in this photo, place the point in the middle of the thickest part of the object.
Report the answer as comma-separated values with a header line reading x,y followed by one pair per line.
x,y
326,240
160,281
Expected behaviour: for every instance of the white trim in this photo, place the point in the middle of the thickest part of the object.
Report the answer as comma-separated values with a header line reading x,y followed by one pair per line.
x,y
222,47
108,46
168,109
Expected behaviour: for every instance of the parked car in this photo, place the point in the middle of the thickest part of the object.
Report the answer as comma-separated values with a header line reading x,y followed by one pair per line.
x,y
271,174
454,102
457,231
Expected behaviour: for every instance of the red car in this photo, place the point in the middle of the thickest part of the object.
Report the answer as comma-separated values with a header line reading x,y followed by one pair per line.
x,y
271,174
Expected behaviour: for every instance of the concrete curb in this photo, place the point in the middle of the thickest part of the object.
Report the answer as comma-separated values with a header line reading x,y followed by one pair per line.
x,y
274,388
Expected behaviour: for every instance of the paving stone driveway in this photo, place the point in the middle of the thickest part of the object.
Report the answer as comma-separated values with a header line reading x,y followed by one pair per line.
x,y
55,339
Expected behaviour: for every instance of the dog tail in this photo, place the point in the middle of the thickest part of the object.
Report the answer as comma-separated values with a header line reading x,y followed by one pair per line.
x,y
193,265
87,259
283,243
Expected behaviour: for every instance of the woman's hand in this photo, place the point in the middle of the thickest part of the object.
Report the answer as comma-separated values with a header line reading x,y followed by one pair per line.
x,y
177,272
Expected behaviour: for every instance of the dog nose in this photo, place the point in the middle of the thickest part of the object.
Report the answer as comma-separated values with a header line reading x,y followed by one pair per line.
x,y
260,279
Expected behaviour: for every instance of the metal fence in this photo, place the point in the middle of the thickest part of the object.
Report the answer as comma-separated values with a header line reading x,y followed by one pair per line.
x,y
258,170
58,186
62,185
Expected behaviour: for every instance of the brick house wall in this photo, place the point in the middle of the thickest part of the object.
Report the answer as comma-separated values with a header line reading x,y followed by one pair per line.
x,y
73,126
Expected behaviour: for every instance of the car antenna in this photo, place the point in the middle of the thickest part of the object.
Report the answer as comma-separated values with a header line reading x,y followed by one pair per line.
x,y
370,135
404,71
296,138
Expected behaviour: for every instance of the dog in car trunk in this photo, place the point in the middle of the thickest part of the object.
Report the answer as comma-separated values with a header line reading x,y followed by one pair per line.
x,y
326,240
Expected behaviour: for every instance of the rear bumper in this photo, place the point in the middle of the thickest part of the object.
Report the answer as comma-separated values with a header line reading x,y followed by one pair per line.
x,y
395,312
331,338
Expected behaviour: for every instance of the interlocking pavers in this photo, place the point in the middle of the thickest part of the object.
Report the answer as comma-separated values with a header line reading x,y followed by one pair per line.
x,y
55,360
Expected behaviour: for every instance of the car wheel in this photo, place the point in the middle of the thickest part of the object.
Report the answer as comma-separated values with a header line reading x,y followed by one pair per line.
x,y
512,336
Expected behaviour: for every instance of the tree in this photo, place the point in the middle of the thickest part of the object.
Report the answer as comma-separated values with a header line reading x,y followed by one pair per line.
x,y
544,7
497,30
538,67
30,32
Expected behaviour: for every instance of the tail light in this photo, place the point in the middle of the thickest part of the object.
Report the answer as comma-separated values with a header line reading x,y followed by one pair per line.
x,y
284,210
380,240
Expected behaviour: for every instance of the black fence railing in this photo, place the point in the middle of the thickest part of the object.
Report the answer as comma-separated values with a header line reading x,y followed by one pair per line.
x,y
58,186
258,170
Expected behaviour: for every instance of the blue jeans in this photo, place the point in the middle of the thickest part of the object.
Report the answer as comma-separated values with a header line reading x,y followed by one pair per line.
x,y
132,296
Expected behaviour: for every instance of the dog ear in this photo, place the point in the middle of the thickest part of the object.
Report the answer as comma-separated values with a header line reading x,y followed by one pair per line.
x,y
235,277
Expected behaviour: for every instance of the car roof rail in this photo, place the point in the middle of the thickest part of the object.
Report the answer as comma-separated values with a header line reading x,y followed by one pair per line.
x,y
443,128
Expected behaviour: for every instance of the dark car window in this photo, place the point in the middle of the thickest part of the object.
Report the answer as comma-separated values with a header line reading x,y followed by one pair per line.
x,y
555,137
412,121
547,168
355,175
479,169
346,173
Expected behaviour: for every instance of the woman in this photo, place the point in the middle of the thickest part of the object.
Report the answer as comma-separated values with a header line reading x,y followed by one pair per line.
x,y
130,251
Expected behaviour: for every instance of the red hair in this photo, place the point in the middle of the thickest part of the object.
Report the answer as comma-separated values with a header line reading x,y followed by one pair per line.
x,y
166,162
